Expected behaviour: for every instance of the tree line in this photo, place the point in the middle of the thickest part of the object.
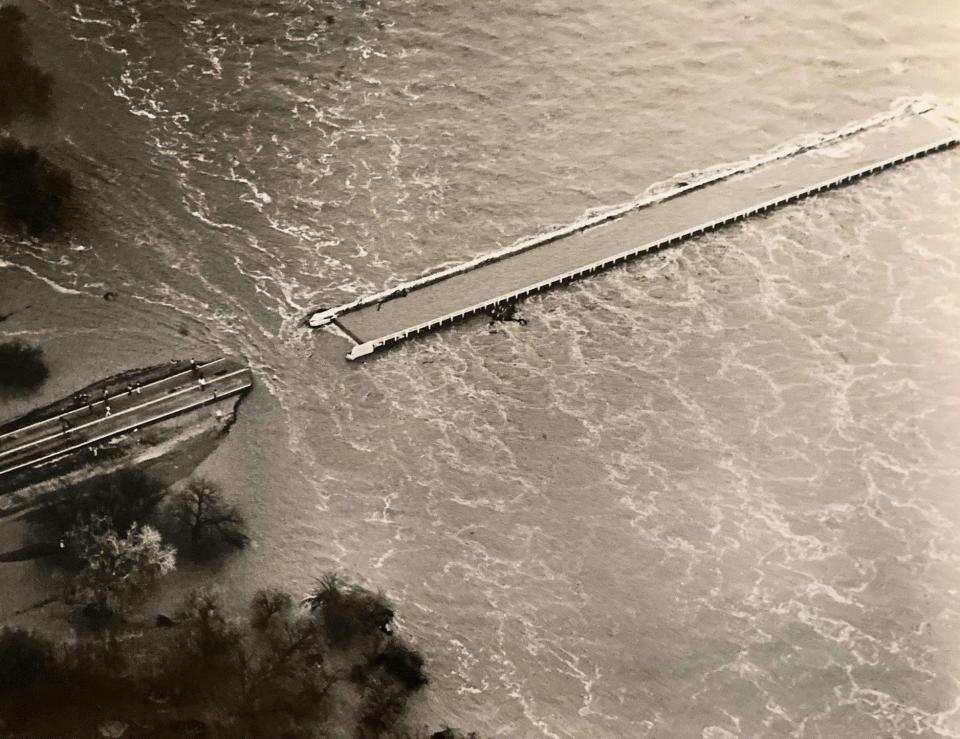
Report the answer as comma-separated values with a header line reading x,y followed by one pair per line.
x,y
34,191
327,663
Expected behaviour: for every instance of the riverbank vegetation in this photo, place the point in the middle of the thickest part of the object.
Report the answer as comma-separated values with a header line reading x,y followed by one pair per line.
x,y
276,670
25,90
114,537
22,369
203,523
325,663
33,190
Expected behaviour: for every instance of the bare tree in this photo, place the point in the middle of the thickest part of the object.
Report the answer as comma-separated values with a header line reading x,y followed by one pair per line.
x,y
206,518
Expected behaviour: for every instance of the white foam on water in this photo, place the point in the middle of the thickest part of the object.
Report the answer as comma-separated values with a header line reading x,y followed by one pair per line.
x,y
834,143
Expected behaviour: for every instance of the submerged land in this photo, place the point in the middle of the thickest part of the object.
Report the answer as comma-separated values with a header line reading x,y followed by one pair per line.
x,y
325,663
711,492
108,532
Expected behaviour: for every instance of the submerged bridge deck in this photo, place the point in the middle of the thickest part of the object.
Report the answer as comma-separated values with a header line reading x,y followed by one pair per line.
x,y
440,299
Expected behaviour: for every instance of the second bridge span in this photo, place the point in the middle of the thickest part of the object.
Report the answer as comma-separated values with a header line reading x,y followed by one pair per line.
x,y
436,300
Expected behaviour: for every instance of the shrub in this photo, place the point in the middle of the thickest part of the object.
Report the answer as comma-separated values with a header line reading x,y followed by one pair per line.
x,y
349,613
266,604
403,663
209,633
388,678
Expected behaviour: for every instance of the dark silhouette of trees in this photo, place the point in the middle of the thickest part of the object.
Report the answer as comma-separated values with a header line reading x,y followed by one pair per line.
x,y
293,673
267,604
390,676
24,660
25,90
33,190
207,633
281,672
102,534
205,521
274,673
109,534
403,663
125,498
22,369
350,614
329,663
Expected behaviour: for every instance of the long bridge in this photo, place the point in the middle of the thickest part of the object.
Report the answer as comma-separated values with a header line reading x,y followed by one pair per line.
x,y
413,308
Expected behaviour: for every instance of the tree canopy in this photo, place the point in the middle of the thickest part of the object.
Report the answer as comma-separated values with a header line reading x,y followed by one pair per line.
x,y
116,567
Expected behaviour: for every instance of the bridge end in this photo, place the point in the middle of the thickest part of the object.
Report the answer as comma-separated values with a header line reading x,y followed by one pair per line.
x,y
320,318
361,350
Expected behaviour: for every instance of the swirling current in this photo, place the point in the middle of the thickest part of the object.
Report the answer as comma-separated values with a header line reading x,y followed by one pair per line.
x,y
713,493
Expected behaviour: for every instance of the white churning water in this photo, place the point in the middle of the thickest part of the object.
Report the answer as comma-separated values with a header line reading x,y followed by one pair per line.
x,y
712,493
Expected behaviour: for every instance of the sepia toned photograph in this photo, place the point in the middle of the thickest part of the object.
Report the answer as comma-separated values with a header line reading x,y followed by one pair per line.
x,y
411,369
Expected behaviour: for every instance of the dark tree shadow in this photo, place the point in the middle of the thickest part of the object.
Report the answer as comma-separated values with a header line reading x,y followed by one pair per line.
x,y
22,369
33,190
25,90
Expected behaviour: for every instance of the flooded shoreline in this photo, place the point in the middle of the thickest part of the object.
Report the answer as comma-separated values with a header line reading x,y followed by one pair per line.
x,y
714,491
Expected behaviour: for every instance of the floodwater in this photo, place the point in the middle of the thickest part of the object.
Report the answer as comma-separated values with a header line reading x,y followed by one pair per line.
x,y
713,493
689,210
